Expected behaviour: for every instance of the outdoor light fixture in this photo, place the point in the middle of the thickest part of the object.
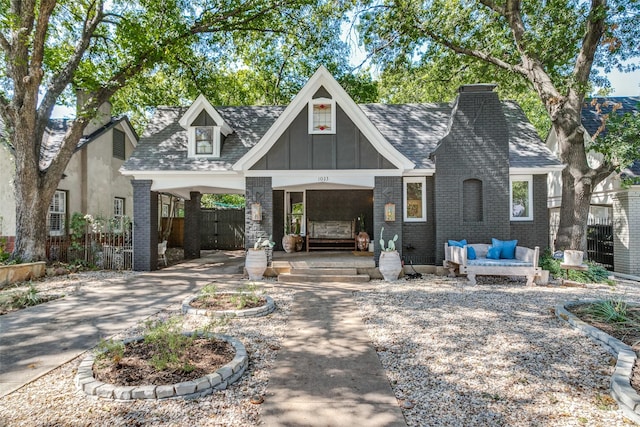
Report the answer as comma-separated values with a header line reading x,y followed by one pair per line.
x,y
256,212
390,212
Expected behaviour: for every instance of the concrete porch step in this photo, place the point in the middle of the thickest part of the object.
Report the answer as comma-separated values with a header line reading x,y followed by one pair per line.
x,y
326,271
319,278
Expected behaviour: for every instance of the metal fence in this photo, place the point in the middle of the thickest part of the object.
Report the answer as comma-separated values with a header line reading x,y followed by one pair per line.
x,y
103,243
599,240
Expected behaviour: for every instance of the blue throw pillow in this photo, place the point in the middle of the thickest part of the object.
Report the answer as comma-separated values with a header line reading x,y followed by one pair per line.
x,y
507,248
471,253
494,252
459,244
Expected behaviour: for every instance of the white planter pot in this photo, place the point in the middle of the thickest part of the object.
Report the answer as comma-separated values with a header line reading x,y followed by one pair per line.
x,y
573,257
390,265
255,263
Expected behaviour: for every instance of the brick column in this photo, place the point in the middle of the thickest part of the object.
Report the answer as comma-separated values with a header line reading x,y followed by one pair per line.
x,y
626,229
145,226
258,190
388,189
192,226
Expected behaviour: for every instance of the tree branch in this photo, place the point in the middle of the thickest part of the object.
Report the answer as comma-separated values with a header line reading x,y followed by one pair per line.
x,y
590,42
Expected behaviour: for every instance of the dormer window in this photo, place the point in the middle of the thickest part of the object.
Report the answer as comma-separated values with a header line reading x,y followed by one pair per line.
x,y
322,116
206,129
204,140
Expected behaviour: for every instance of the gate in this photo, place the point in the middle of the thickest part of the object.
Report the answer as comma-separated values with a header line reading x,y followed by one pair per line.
x,y
600,242
222,228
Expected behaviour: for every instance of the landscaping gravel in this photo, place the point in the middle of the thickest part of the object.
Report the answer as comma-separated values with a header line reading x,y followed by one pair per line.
x,y
490,355
455,355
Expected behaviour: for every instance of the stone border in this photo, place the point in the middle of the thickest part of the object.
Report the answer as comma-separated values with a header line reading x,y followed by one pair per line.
x,y
14,273
200,387
263,310
620,387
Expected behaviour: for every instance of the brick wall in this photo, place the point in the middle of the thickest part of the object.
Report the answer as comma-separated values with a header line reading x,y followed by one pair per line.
x,y
476,147
388,189
192,226
145,226
626,232
258,189
535,233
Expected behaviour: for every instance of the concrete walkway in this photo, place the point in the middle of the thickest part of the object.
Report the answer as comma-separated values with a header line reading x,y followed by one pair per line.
x,y
35,340
326,374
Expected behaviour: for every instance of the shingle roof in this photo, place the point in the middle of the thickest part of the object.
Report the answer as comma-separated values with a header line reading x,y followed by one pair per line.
x,y
413,129
593,111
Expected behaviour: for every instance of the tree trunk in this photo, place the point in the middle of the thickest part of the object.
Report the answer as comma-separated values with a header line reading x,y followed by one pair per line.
x,y
574,212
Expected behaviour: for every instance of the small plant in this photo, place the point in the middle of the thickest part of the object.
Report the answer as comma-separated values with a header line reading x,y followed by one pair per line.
x,y
594,274
391,245
4,254
168,342
110,350
209,290
245,297
610,311
263,243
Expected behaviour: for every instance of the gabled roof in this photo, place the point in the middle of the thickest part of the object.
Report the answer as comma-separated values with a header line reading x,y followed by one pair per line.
x,y
323,79
57,129
201,103
413,130
593,111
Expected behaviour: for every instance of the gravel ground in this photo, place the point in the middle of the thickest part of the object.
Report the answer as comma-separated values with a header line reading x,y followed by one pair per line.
x,y
492,354
489,355
53,400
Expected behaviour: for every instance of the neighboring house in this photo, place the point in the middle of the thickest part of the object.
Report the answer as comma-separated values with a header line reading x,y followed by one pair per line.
x,y
472,170
92,183
611,201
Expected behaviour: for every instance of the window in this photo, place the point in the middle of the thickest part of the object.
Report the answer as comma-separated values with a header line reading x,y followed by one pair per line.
x,y
204,140
521,198
57,214
118,213
118,144
415,199
322,116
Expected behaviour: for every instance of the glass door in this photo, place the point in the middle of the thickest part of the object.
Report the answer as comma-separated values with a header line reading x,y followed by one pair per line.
x,y
294,213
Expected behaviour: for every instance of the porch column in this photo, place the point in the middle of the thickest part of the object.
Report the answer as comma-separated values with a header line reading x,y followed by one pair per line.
x,y
258,190
388,189
192,226
626,229
145,226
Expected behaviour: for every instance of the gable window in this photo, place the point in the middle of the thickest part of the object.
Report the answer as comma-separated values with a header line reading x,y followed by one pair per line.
x,y
521,196
415,199
56,219
322,116
118,144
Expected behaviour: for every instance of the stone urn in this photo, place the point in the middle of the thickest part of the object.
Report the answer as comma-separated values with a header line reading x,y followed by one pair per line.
x,y
289,242
390,265
255,263
362,241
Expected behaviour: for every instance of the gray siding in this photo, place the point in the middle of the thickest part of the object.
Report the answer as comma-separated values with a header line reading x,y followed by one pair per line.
x,y
296,149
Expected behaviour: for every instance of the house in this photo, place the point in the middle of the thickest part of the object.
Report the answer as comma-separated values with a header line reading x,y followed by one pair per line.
x,y
611,201
475,169
91,183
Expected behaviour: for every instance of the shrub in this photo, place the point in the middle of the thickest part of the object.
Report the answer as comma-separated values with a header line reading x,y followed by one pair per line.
x,y
595,273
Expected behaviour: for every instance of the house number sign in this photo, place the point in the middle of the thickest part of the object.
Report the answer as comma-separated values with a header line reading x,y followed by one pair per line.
x,y
323,179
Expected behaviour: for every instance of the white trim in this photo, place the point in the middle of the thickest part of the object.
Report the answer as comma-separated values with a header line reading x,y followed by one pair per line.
x,y
529,180
332,127
536,171
322,78
201,103
405,214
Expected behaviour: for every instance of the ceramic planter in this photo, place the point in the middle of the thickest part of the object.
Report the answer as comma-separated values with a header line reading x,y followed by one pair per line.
x,y
255,263
390,265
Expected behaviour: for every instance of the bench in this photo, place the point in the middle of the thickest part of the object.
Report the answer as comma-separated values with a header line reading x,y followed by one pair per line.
x,y
332,235
524,264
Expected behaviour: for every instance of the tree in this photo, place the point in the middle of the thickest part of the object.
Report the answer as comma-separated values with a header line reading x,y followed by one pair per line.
x,y
49,48
553,46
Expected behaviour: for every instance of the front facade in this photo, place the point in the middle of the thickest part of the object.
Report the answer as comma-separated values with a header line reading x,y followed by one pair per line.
x,y
92,183
612,201
425,172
